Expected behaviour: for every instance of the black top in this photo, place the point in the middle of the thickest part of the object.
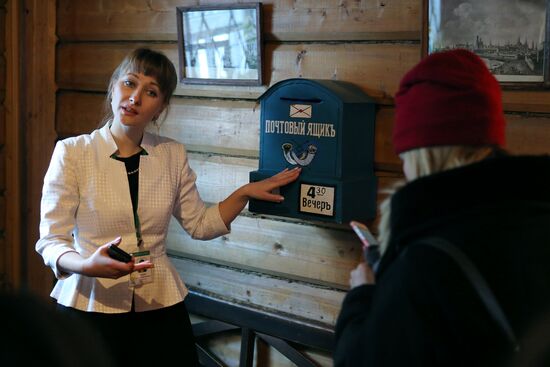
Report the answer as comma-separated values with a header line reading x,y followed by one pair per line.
x,y
423,311
132,170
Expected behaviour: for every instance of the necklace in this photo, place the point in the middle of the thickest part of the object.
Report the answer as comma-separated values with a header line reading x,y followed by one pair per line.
x,y
133,171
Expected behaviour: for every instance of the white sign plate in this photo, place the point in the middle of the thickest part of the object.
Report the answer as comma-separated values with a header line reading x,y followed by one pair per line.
x,y
317,199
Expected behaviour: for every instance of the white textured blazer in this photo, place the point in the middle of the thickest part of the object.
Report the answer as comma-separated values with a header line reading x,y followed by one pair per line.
x,y
86,203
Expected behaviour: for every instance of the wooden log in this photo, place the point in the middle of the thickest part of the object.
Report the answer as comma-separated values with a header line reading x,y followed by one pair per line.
x,y
218,175
318,255
3,209
228,127
282,247
375,68
38,115
231,127
3,130
78,113
2,29
88,66
306,20
298,300
2,75
357,63
524,135
526,100
528,135
216,126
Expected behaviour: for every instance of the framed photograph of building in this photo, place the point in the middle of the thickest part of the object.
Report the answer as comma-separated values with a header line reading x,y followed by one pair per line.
x,y
511,36
220,44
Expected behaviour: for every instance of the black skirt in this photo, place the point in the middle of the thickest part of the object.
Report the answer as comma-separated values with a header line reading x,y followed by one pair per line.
x,y
147,338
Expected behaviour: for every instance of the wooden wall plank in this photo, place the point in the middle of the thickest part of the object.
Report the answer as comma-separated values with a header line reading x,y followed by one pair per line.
x,y
13,148
361,64
218,175
318,255
524,135
3,209
2,26
2,131
217,126
282,246
310,303
375,68
287,20
39,119
526,100
528,135
88,66
2,76
229,127
2,54
78,113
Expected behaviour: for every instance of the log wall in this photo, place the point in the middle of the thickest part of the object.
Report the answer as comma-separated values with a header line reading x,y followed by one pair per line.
x,y
3,208
298,268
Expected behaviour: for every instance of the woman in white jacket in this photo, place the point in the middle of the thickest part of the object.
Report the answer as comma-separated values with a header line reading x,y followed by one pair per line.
x,y
119,186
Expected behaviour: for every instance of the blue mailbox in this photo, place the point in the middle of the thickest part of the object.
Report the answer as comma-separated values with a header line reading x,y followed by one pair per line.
x,y
327,128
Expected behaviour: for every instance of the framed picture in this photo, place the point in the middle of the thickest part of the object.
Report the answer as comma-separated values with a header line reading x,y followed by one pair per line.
x,y
220,44
511,36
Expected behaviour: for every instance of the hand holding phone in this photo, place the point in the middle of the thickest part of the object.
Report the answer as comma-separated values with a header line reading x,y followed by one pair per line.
x,y
119,254
371,247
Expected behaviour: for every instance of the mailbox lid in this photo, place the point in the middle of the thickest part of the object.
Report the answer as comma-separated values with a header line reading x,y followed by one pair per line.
x,y
346,92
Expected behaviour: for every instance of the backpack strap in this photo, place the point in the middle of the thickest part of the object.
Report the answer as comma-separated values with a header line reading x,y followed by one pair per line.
x,y
478,282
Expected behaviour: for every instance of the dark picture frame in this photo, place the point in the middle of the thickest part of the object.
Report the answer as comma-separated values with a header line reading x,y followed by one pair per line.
x,y
511,36
220,44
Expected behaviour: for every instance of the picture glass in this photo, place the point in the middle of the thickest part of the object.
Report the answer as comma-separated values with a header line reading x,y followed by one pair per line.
x,y
509,35
221,44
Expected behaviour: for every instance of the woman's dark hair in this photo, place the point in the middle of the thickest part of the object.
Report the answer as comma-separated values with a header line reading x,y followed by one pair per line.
x,y
148,62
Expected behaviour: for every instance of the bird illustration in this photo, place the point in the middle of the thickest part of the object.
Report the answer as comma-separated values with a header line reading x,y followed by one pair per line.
x,y
302,159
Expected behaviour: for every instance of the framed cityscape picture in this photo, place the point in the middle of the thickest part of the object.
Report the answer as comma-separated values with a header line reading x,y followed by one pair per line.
x,y
220,44
511,36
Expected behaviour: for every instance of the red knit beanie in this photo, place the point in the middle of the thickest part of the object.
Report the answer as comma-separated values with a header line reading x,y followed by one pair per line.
x,y
449,98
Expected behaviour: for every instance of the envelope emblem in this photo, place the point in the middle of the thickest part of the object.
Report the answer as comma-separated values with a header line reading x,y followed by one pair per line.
x,y
300,111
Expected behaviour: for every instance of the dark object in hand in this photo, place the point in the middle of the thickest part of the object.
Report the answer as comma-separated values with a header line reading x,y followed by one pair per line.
x,y
119,254
372,256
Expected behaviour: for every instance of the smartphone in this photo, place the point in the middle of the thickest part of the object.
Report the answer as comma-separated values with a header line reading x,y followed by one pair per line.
x,y
371,247
119,254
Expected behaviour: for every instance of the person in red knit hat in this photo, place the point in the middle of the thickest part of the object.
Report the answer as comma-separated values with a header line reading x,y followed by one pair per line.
x,y
465,240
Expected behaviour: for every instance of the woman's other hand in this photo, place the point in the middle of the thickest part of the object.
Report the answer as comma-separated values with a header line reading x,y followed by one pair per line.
x,y
362,274
99,264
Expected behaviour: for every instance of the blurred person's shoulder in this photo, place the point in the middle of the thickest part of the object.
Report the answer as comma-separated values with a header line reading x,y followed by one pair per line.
x,y
33,333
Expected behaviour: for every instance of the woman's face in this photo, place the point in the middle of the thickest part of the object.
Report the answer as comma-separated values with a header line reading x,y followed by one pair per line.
x,y
136,100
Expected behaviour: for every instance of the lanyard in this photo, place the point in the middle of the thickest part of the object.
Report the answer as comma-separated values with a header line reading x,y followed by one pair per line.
x,y
133,176
138,227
